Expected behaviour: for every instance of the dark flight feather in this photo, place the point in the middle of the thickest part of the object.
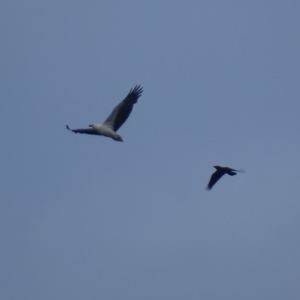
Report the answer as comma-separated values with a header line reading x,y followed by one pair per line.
x,y
84,130
122,111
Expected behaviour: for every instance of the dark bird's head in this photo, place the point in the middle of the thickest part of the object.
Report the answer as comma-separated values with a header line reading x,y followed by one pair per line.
x,y
218,167
91,125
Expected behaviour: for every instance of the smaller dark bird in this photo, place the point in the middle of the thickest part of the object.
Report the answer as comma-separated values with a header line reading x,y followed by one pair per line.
x,y
219,173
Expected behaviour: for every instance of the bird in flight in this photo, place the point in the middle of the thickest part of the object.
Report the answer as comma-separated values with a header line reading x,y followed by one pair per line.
x,y
219,173
116,119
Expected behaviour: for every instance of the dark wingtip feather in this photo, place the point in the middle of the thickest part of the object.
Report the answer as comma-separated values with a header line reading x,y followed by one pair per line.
x,y
137,91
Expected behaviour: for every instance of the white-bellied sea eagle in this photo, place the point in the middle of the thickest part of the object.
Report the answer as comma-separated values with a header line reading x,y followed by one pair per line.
x,y
116,119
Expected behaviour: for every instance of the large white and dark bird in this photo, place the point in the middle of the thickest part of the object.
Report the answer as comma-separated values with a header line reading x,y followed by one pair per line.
x,y
116,119
219,173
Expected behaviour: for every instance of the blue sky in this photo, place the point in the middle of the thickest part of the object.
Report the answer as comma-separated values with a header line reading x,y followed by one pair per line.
x,y
85,217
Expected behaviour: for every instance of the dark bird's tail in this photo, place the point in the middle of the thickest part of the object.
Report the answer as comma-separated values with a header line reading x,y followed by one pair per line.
x,y
67,126
233,172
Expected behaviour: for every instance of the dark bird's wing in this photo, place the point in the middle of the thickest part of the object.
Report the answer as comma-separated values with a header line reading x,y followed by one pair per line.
x,y
214,178
84,130
122,111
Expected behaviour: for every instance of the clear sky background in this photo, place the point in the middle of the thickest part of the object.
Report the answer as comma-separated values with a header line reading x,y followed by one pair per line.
x,y
85,217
